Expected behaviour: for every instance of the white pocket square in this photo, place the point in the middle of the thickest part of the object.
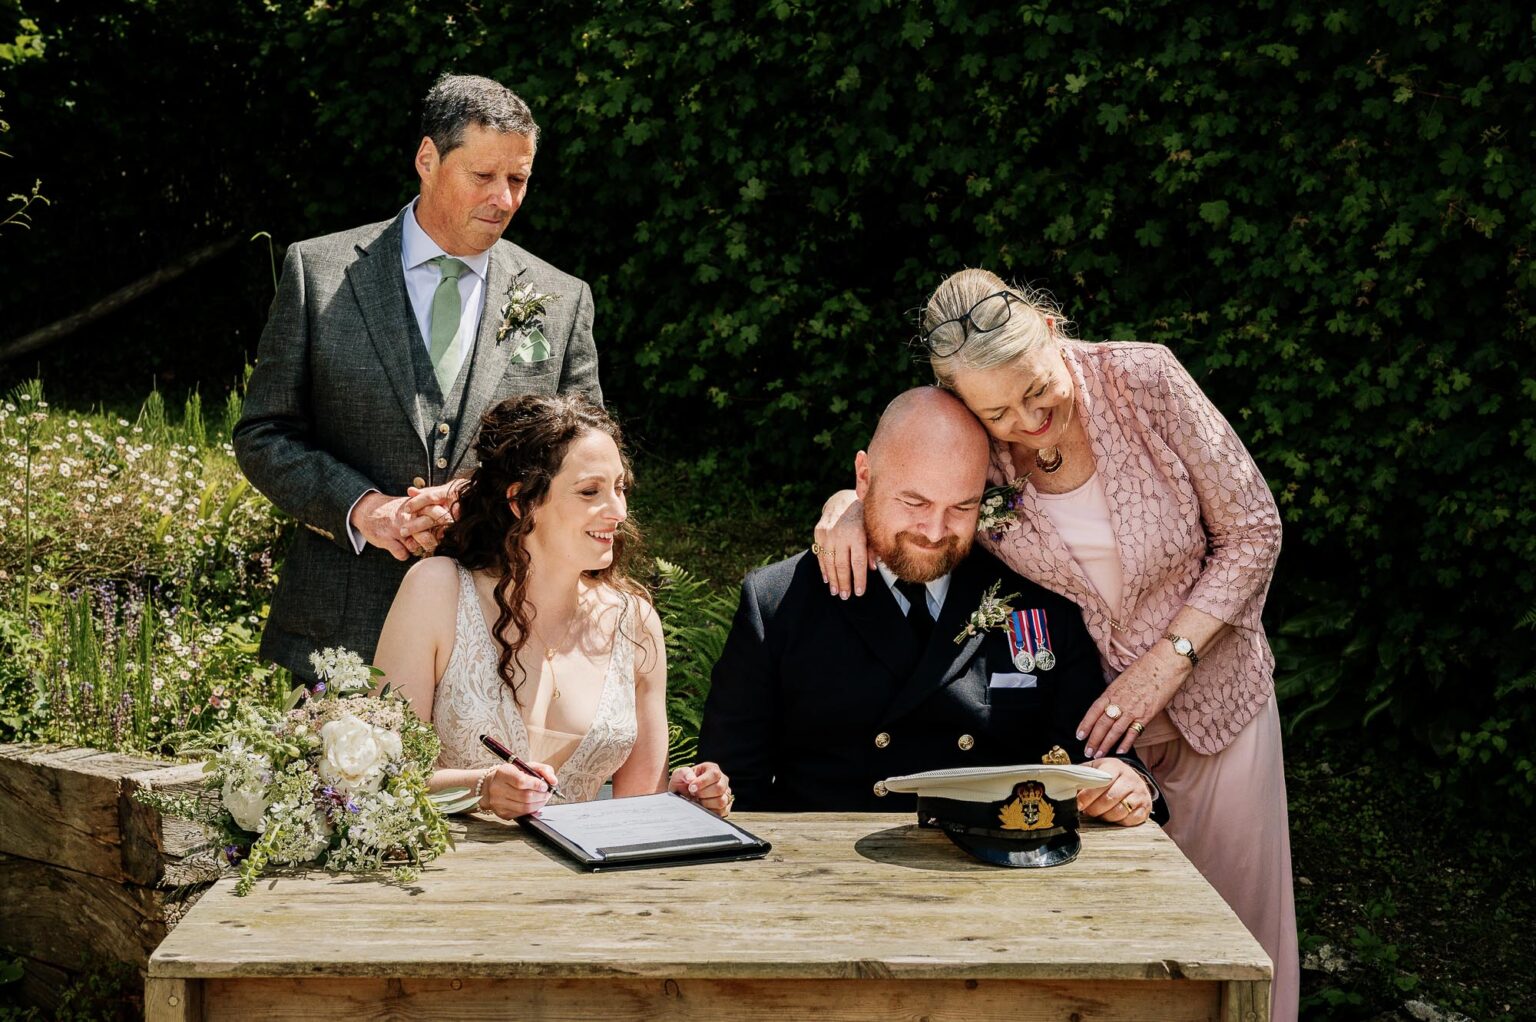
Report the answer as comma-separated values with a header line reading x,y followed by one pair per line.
x,y
1013,681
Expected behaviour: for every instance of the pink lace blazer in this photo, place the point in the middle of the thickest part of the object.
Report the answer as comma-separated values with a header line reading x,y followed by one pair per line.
x,y
1195,522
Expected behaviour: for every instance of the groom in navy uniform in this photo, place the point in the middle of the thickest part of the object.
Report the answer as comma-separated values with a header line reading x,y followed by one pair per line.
x,y
816,699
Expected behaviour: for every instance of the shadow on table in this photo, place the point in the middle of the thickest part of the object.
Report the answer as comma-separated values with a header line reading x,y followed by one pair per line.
x,y
918,848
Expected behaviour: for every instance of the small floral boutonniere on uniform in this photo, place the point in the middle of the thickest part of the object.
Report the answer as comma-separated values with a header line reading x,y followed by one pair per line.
x,y
521,319
992,612
1000,509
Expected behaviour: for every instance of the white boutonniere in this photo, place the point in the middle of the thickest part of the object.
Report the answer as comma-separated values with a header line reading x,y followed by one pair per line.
x,y
522,317
1000,509
992,612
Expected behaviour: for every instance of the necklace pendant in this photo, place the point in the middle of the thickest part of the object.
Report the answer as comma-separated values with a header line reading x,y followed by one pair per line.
x,y
549,653
1049,464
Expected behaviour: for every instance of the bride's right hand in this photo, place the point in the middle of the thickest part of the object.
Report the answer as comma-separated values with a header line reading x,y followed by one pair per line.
x,y
510,793
841,548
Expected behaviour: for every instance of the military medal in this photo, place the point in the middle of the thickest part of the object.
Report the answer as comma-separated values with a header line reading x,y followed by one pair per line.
x,y
1018,642
1040,640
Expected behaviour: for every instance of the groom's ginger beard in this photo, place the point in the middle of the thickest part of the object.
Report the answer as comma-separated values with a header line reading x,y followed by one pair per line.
x,y
910,556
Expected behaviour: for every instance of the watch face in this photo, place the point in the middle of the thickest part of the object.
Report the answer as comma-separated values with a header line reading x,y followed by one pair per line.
x,y
1183,647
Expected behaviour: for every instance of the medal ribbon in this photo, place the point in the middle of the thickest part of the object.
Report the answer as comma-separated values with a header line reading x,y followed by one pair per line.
x,y
1040,632
1019,636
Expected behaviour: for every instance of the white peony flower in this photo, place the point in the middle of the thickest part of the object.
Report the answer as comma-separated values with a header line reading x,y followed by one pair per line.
x,y
356,754
245,803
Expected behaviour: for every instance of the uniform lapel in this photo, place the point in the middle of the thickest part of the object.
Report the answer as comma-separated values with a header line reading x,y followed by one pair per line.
x,y
378,286
944,658
879,623
490,359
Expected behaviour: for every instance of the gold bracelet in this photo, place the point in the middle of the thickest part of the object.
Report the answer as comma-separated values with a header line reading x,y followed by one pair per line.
x,y
480,784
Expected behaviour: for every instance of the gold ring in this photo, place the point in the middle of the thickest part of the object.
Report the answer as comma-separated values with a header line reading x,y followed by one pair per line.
x,y
1126,804
1112,711
1138,727
730,799
815,549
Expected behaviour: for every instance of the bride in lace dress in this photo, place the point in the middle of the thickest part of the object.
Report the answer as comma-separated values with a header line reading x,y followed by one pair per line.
x,y
530,630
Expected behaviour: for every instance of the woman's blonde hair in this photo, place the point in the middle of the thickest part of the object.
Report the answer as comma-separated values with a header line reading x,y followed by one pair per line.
x,y
1034,320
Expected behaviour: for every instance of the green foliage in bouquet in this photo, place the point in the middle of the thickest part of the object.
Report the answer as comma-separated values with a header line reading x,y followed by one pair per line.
x,y
337,778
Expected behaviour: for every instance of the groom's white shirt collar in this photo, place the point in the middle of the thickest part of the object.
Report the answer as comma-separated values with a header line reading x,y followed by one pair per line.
x,y
417,246
937,590
421,279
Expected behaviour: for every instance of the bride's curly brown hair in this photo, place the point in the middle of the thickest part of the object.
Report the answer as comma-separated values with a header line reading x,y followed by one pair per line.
x,y
523,441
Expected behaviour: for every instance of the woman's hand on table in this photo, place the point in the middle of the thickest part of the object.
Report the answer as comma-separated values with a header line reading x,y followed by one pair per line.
x,y
1126,800
840,547
510,793
1138,695
706,784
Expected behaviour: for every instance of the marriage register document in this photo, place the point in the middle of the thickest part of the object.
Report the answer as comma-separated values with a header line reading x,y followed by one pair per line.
x,y
645,830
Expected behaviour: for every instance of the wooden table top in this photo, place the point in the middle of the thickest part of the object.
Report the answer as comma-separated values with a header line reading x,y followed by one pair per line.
x,y
840,896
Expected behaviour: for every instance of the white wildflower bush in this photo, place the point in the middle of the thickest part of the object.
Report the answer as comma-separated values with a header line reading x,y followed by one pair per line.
x,y
135,566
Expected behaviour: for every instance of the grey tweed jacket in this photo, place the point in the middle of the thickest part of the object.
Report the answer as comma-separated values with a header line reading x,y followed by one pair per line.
x,y
334,409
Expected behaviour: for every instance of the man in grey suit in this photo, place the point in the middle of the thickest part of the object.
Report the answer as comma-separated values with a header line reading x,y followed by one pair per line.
x,y
384,346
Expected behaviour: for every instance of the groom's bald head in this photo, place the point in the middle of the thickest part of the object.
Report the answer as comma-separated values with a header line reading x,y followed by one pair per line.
x,y
921,482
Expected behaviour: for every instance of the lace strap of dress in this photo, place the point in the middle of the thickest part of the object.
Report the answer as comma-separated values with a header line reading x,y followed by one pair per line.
x,y
469,604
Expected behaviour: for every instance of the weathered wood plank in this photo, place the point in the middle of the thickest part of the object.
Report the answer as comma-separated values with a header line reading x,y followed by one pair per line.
x,y
57,915
73,808
173,1000
841,896
1245,1001
157,850
707,1000
41,983
61,806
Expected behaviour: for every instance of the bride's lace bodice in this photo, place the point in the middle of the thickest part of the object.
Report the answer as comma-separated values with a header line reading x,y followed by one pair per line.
x,y
471,700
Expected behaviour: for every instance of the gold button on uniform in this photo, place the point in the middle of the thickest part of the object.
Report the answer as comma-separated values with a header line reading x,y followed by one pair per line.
x,y
442,462
418,482
966,742
442,427
880,789
882,740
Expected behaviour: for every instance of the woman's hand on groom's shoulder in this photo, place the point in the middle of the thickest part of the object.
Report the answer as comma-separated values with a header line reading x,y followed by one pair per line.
x,y
840,547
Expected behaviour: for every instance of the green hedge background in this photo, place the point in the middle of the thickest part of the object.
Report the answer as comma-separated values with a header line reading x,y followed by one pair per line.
x,y
1325,210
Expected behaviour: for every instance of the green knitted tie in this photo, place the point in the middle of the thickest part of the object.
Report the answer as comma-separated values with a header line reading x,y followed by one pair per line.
x,y
445,321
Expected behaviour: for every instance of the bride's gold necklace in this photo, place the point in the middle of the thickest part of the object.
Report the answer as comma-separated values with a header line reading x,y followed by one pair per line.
x,y
550,651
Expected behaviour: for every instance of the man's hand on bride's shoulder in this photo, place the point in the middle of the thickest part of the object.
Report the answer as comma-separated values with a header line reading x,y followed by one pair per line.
x,y
840,546
427,511
706,784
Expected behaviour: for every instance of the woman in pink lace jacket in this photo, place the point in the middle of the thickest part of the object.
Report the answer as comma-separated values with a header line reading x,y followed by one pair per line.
x,y
1132,495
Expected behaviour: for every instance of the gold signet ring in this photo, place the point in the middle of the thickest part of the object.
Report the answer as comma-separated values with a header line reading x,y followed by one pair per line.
x,y
816,549
1112,711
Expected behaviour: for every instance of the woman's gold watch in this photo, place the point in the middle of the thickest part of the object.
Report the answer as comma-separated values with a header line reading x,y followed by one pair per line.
x,y
1183,647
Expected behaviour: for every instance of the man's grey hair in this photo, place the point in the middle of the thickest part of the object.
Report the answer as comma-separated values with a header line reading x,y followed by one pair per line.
x,y
457,101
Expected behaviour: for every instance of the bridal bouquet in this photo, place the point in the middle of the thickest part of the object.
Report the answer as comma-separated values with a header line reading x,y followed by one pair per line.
x,y
337,778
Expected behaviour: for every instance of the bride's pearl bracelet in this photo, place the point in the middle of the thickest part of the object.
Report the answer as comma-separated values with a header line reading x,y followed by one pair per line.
x,y
480,784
